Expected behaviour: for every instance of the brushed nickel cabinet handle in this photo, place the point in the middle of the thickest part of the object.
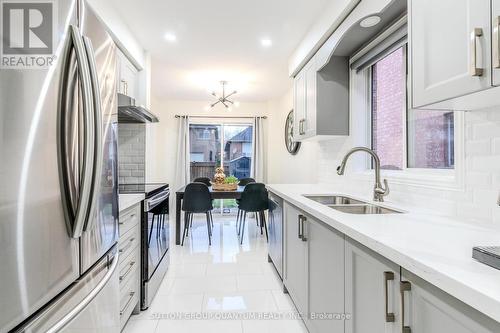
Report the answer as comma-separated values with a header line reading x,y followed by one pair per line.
x,y
474,36
131,265
496,43
129,244
304,219
131,296
299,221
389,316
404,287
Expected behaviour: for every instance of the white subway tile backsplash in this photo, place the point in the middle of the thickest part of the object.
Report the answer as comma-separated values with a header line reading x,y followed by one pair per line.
x,y
131,153
477,201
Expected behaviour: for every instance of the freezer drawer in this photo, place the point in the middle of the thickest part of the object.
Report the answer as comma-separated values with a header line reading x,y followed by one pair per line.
x,y
92,304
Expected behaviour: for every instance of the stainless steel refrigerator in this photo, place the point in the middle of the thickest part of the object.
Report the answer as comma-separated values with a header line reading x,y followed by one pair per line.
x,y
58,184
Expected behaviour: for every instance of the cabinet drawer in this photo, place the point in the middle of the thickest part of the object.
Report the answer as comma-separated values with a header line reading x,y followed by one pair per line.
x,y
129,218
129,297
128,266
129,242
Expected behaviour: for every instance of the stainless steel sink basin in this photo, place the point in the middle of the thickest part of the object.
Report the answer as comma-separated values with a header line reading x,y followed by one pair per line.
x,y
334,200
364,209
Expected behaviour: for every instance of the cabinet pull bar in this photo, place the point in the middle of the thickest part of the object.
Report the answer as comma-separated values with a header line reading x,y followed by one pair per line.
x,y
299,235
389,316
131,296
474,36
304,238
496,42
131,265
129,244
404,286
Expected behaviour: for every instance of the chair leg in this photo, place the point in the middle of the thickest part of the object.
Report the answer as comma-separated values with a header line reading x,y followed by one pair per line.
x,y
243,229
187,222
241,221
208,229
263,221
258,217
211,220
186,225
151,230
191,220
238,222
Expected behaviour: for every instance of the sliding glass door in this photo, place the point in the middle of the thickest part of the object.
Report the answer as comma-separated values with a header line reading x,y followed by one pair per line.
x,y
214,144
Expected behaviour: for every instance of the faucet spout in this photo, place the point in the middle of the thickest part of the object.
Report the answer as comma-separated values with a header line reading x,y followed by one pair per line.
x,y
379,191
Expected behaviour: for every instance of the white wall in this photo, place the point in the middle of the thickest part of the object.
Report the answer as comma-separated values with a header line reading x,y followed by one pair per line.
x,y
120,32
475,201
282,166
163,136
319,32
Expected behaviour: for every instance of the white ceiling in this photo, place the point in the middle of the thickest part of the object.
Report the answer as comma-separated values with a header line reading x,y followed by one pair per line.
x,y
220,40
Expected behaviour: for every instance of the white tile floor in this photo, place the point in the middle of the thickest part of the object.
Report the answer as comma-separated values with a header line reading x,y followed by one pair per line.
x,y
215,281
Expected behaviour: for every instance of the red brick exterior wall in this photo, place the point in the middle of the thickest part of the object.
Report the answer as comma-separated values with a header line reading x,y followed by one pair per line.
x,y
430,132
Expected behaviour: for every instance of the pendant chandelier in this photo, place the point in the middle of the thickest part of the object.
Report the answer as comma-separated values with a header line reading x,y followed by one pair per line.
x,y
223,99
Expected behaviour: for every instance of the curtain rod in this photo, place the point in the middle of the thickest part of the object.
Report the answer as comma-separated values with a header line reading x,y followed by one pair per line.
x,y
230,117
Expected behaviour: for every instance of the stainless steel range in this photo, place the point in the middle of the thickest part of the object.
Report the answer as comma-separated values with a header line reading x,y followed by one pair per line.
x,y
154,237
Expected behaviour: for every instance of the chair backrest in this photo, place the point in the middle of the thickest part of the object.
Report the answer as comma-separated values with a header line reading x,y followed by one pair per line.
x,y
197,198
254,198
203,180
246,181
162,208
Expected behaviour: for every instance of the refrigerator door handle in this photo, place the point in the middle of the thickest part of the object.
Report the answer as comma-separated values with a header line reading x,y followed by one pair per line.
x,y
80,213
68,318
98,158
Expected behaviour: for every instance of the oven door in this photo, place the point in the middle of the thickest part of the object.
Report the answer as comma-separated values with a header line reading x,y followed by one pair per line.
x,y
155,245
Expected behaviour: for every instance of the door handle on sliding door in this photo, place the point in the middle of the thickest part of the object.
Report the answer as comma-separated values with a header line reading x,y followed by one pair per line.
x,y
97,123
77,205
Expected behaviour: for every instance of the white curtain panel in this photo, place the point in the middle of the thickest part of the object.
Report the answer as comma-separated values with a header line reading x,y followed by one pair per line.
x,y
258,158
182,165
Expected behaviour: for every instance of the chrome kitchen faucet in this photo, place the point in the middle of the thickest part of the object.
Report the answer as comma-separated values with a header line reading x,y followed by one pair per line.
x,y
379,192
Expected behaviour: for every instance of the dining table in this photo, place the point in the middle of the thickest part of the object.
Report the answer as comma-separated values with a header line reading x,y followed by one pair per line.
x,y
216,194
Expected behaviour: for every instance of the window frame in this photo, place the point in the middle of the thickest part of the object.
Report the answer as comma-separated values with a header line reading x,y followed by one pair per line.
x,y
452,179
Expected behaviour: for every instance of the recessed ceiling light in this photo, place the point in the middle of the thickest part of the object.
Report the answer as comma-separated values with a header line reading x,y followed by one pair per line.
x,y
266,42
170,37
237,104
370,21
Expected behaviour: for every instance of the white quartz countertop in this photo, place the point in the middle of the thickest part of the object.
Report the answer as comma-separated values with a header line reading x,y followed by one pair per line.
x,y
127,200
437,249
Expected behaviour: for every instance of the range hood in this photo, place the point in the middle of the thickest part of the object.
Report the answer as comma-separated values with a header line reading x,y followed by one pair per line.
x,y
128,112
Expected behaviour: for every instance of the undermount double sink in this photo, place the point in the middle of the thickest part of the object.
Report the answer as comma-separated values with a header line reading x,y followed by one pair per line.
x,y
350,205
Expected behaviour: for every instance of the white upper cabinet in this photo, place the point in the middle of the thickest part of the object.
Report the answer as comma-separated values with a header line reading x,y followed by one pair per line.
x,y
128,77
450,43
321,100
495,38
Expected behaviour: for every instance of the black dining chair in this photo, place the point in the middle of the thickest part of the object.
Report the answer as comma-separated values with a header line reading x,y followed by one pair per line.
x,y
159,212
242,182
197,200
204,180
254,199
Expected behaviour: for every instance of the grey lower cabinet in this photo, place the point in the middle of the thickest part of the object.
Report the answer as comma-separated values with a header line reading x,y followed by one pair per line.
x,y
428,309
326,277
314,271
328,274
295,272
371,291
